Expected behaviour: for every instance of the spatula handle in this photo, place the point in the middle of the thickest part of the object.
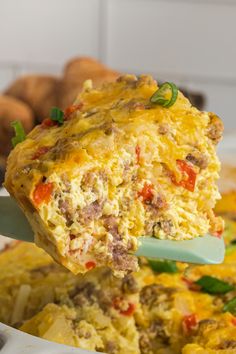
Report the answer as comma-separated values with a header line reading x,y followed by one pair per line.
x,y
200,250
13,223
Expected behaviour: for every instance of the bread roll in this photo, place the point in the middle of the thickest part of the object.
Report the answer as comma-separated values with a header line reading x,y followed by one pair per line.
x,y
12,109
39,92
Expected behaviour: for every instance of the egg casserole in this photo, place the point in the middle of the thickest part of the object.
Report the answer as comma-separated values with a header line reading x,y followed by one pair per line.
x,y
164,308
113,167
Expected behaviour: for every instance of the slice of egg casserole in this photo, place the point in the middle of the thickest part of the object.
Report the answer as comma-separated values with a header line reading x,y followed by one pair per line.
x,y
126,160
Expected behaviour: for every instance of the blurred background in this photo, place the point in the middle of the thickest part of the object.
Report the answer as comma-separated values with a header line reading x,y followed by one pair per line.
x,y
189,42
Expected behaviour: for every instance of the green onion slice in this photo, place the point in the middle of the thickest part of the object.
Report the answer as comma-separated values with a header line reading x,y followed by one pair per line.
x,y
19,133
57,115
159,266
212,285
159,97
230,306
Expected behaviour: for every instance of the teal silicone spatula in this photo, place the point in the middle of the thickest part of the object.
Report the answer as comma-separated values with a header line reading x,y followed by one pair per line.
x,y
200,250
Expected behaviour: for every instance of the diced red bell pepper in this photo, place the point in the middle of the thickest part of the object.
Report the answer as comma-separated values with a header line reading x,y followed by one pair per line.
x,y
189,176
233,321
138,151
117,304
146,193
47,123
191,284
189,322
71,109
218,233
130,310
42,193
90,265
41,151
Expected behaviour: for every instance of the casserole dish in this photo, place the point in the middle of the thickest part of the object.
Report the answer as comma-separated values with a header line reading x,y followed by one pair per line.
x,y
17,342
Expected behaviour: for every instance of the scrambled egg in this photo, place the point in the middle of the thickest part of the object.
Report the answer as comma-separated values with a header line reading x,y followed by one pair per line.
x,y
119,167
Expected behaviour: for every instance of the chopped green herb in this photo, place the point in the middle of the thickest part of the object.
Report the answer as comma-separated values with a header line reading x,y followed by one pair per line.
x,y
19,133
159,97
163,266
230,306
213,285
57,115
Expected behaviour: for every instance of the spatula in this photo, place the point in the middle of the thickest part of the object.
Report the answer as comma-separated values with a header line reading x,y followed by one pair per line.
x,y
200,250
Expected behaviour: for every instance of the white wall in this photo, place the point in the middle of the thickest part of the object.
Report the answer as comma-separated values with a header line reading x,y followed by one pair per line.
x,y
39,36
191,42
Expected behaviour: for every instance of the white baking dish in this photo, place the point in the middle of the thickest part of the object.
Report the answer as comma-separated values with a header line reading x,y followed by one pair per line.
x,y
13,341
